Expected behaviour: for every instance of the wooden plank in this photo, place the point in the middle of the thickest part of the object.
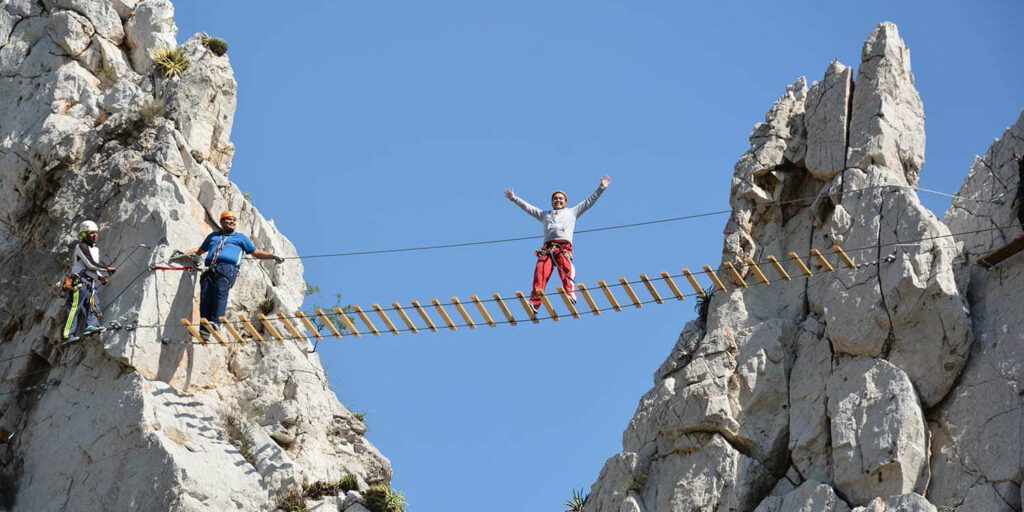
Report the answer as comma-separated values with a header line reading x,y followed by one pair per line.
x,y
483,311
526,306
547,306
193,331
778,268
327,322
384,318
714,278
309,325
210,329
462,311
443,313
672,285
423,315
650,289
694,284
735,274
347,321
289,326
821,259
366,320
405,318
231,329
999,255
757,271
800,264
842,255
270,327
568,302
588,298
630,292
504,309
249,328
608,295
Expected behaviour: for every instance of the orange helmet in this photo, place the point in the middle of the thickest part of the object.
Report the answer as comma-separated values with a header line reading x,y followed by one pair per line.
x,y
227,213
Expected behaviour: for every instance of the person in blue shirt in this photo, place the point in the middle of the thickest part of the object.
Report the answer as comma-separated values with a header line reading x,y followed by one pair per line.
x,y
223,251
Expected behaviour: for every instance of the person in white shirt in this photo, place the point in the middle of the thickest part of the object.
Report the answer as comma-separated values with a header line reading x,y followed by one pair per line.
x,y
559,224
86,269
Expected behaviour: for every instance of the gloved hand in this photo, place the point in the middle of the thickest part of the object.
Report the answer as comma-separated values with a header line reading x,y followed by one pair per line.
x,y
278,259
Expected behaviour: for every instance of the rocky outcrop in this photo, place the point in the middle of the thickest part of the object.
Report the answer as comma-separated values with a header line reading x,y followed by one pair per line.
x,y
90,130
858,388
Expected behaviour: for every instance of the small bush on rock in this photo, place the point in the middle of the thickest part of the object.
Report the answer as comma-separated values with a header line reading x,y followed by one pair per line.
x,y
381,498
348,483
578,500
216,45
702,305
294,501
170,62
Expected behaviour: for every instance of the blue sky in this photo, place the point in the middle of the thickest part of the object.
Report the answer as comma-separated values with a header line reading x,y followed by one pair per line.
x,y
377,125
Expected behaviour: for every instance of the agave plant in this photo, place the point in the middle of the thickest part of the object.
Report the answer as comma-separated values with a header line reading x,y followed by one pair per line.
x,y
215,44
578,500
381,498
702,305
171,62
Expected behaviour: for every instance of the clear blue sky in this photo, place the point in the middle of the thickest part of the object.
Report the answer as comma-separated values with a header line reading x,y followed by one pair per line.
x,y
368,125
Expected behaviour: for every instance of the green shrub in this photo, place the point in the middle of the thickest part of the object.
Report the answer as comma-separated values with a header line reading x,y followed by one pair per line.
x,y
578,500
170,62
381,498
360,416
216,45
702,305
348,483
294,501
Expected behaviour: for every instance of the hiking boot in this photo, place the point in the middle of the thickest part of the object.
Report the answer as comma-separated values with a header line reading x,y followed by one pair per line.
x,y
91,328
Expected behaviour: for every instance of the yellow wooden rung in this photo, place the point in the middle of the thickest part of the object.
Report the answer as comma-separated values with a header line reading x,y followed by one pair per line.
x,y
672,285
463,312
405,318
384,318
714,278
483,311
249,328
347,321
650,289
289,326
547,306
270,327
234,332
568,302
630,292
504,309
309,325
608,295
192,330
693,283
588,298
327,322
757,271
443,313
210,329
842,255
735,274
526,306
423,315
800,264
366,320
778,268
822,260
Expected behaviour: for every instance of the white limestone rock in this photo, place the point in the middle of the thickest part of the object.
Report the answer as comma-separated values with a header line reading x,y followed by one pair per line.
x,y
903,503
826,119
150,27
811,496
71,31
887,118
101,15
879,442
809,431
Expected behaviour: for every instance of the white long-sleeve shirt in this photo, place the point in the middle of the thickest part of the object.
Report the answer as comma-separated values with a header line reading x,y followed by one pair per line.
x,y
87,257
559,224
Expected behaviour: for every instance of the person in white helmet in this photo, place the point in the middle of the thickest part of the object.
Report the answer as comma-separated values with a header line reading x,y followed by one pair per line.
x,y
86,270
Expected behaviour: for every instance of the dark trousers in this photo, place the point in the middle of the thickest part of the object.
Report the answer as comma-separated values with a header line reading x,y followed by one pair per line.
x,y
214,286
82,302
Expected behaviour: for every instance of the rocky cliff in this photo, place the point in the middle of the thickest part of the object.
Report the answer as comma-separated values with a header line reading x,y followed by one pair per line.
x,y
893,385
141,418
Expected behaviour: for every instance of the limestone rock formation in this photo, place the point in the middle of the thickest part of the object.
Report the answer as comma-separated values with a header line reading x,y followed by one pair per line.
x,y
141,418
890,385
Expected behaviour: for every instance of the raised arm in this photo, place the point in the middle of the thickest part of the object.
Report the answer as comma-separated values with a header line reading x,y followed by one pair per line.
x,y
588,202
527,207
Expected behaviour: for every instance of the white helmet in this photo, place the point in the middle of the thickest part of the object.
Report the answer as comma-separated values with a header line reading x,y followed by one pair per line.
x,y
88,226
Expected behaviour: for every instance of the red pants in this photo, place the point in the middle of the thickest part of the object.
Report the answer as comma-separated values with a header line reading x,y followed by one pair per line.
x,y
557,253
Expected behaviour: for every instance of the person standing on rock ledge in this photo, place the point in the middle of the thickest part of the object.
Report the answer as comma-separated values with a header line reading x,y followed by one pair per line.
x,y
86,269
225,247
559,224
1020,191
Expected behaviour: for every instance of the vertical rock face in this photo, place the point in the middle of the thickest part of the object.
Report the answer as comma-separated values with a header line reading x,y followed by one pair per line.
x,y
813,393
141,418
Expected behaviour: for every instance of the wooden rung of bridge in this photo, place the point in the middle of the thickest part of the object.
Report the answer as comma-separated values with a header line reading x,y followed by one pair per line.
x,y
483,311
270,327
327,322
568,302
547,305
289,326
366,320
630,292
504,309
405,318
423,314
714,278
347,322
821,259
651,290
462,311
443,313
672,285
249,328
231,329
309,325
800,264
192,330
608,295
694,284
756,270
526,306
735,274
778,268
384,318
588,298
842,255
212,330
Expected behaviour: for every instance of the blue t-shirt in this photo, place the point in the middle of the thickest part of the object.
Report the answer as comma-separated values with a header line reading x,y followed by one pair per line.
x,y
231,251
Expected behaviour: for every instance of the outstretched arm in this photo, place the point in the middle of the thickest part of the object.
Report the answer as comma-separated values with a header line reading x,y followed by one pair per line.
x,y
588,202
527,207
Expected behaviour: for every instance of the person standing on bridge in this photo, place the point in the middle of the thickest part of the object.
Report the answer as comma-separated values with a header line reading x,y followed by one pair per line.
x,y
225,247
559,224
